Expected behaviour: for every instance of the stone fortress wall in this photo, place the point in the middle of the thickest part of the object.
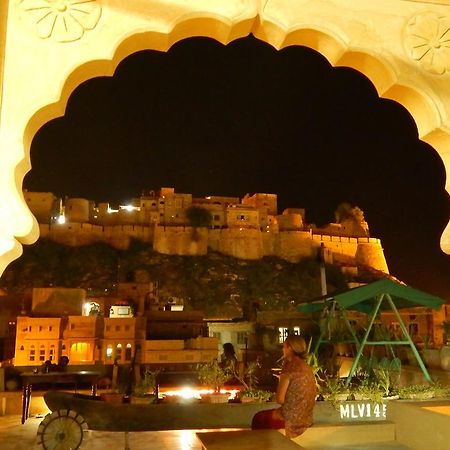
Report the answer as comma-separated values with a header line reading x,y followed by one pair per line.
x,y
258,233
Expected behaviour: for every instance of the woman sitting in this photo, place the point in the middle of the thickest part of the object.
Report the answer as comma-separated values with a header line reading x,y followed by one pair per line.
x,y
296,392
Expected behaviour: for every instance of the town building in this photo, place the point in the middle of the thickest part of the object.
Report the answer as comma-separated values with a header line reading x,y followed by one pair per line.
x,y
107,335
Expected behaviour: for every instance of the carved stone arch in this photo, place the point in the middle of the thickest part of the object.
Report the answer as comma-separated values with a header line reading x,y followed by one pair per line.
x,y
378,71
41,64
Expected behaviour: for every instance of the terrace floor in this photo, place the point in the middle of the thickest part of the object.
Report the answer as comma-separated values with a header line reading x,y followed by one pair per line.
x,y
14,436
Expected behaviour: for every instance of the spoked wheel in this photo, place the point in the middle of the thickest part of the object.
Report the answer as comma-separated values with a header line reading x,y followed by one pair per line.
x,y
62,430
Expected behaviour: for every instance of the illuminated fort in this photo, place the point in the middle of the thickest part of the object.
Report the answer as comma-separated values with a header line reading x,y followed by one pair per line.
x,y
248,228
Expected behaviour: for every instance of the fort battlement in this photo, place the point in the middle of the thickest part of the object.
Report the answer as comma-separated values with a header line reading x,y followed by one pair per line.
x,y
77,234
243,243
249,230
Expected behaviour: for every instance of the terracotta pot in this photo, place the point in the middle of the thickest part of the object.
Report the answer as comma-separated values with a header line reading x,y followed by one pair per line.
x,y
215,398
112,397
146,400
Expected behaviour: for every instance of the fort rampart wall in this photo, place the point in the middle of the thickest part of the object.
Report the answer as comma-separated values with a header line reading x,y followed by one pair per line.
x,y
243,243
180,240
77,234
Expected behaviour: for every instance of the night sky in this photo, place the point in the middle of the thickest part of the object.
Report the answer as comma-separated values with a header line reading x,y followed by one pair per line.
x,y
226,120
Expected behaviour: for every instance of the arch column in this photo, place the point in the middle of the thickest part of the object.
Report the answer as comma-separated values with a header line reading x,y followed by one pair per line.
x,y
48,48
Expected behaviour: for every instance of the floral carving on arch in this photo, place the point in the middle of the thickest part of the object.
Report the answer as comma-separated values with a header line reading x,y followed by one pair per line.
x,y
428,41
61,20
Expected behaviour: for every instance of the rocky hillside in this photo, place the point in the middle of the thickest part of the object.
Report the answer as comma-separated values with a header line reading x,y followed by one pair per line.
x,y
217,284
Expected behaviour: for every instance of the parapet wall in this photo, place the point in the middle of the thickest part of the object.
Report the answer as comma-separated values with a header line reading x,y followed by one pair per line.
x,y
243,243
77,234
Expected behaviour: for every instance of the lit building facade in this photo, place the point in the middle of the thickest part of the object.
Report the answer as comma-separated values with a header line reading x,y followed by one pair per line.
x,y
159,337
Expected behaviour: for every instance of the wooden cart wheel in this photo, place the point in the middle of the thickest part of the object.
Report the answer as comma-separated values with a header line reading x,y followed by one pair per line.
x,y
62,430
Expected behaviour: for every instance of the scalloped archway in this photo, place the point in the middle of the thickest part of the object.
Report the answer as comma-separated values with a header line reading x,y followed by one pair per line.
x,y
45,60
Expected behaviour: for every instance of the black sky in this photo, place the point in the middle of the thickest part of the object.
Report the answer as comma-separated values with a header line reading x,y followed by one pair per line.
x,y
227,120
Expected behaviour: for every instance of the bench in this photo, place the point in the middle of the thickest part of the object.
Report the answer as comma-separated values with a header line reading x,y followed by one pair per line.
x,y
246,440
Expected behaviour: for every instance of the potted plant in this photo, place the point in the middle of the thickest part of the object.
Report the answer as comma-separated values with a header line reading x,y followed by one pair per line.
x,y
417,392
313,362
385,373
112,396
334,390
255,396
368,391
144,389
118,389
249,381
214,376
441,391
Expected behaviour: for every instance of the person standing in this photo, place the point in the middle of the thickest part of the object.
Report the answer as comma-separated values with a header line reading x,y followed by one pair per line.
x,y
296,392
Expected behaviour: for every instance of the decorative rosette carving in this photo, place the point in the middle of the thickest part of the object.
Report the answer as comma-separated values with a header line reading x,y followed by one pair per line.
x,y
428,41
62,20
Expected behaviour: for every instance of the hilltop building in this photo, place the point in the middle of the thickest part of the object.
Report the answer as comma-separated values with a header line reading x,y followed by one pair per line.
x,y
250,228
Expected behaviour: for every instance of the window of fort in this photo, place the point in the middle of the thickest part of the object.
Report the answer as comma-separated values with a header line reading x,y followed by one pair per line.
x,y
50,328
109,352
42,353
117,327
32,355
118,352
128,353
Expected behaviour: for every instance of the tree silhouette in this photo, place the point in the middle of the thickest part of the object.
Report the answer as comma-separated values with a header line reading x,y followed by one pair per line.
x,y
198,217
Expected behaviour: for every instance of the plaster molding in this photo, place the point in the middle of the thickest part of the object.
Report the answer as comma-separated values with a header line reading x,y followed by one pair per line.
x,y
427,41
61,20
433,2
